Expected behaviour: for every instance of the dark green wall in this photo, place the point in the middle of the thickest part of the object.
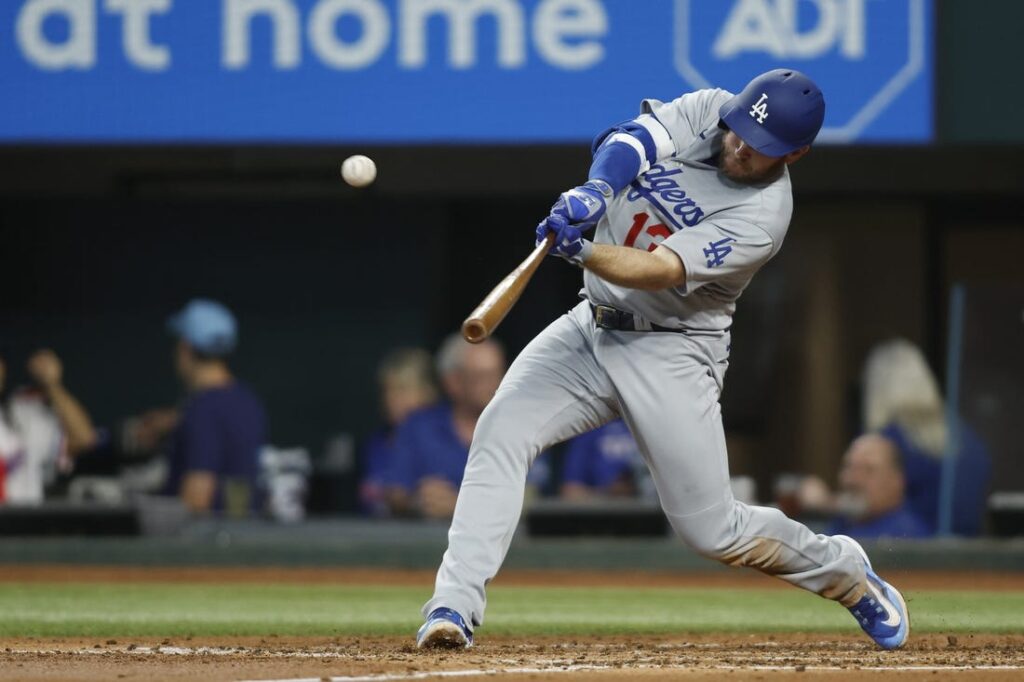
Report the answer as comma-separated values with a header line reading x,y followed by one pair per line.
x,y
979,87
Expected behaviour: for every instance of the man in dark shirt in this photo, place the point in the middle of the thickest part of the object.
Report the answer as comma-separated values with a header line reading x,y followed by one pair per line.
x,y
872,501
432,445
214,456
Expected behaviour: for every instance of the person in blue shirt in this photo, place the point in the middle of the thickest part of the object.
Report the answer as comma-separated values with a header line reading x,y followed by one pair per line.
x,y
405,381
871,499
432,445
972,470
902,402
604,462
214,452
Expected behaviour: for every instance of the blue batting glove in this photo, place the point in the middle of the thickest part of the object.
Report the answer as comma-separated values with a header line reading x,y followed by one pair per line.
x,y
584,205
569,242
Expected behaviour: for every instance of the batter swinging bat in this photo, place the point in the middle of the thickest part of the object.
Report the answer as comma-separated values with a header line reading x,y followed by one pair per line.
x,y
482,322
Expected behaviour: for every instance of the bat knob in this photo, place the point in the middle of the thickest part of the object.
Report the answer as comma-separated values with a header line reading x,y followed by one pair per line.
x,y
474,330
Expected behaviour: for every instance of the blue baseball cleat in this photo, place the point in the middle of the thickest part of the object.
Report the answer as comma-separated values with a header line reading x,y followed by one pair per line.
x,y
444,629
881,612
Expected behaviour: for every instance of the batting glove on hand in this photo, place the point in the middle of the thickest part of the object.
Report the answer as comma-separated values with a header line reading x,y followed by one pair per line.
x,y
583,206
569,242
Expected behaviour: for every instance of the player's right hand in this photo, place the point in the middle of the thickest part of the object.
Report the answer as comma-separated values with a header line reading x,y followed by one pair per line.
x,y
583,206
569,242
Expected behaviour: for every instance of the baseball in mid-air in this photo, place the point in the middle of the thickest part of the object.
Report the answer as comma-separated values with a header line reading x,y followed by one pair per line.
x,y
359,170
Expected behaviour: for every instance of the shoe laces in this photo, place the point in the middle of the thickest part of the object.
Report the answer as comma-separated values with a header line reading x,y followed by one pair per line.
x,y
868,610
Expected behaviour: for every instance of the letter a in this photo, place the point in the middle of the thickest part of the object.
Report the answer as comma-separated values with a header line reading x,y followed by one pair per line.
x,y
77,52
751,27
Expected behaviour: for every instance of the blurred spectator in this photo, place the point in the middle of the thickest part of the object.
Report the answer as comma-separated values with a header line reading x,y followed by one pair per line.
x,y
871,498
902,402
605,462
41,427
405,383
432,446
214,454
143,435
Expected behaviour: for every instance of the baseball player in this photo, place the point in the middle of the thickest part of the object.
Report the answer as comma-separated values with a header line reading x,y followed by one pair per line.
x,y
689,200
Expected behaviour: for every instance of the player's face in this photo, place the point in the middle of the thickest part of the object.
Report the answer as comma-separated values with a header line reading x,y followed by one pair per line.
x,y
740,163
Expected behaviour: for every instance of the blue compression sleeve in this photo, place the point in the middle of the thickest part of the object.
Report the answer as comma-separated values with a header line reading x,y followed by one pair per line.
x,y
618,162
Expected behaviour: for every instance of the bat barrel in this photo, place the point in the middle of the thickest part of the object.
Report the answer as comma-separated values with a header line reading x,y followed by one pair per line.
x,y
489,314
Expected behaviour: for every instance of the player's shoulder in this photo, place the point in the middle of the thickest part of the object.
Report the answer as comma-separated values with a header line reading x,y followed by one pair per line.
x,y
703,101
774,208
760,213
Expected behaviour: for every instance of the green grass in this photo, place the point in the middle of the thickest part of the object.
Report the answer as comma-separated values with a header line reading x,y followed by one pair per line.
x,y
149,609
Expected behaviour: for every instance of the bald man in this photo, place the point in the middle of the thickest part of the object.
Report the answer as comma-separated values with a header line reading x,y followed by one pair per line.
x,y
872,493
432,446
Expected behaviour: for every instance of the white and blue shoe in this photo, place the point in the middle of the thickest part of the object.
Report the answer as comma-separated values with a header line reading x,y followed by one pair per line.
x,y
444,629
881,613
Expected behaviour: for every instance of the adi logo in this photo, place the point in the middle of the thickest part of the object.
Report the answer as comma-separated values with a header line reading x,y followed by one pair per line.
x,y
869,57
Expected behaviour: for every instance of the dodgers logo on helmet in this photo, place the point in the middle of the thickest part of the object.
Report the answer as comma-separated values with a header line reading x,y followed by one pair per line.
x,y
871,59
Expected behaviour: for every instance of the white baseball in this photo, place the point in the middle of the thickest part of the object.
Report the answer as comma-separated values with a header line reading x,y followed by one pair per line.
x,y
359,170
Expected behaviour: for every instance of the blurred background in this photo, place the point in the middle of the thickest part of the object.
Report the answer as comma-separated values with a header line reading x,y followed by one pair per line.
x,y
181,160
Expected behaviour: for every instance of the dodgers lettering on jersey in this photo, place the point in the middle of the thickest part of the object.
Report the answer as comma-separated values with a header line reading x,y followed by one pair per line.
x,y
722,231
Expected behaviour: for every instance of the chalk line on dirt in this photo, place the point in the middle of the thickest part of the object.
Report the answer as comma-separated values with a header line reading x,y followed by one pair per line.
x,y
396,677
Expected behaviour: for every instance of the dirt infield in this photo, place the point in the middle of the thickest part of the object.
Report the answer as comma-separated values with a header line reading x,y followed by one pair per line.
x,y
932,657
912,580
347,659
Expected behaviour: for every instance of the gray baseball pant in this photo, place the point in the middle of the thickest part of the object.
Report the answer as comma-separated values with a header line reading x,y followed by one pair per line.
x,y
572,378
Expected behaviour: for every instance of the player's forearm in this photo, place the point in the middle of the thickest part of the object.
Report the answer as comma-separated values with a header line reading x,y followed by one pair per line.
x,y
635,269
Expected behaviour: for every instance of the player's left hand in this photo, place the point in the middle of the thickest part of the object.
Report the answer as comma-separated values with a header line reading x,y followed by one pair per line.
x,y
583,206
569,242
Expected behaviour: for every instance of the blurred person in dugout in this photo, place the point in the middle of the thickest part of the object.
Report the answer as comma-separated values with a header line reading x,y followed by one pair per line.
x,y
42,428
405,383
904,409
213,458
902,402
432,445
872,501
606,463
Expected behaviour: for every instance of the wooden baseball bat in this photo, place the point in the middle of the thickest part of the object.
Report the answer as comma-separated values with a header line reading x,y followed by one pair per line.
x,y
486,317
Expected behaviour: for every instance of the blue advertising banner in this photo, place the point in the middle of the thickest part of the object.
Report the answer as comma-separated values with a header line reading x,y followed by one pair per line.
x,y
423,71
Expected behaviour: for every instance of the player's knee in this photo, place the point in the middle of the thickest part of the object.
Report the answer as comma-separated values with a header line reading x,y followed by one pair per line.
x,y
712,533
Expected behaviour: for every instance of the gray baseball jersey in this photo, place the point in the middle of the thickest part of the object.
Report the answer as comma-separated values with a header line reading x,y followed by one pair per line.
x,y
721,230
575,376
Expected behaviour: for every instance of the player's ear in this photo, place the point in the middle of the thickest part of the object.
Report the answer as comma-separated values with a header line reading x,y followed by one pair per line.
x,y
795,155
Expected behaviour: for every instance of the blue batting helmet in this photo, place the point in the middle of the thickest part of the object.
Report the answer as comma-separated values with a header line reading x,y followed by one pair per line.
x,y
778,112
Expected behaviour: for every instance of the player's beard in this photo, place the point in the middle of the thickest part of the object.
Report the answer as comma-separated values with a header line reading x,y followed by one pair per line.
x,y
743,172
749,169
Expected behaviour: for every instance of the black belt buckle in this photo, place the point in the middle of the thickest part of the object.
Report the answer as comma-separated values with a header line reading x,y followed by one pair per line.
x,y
606,317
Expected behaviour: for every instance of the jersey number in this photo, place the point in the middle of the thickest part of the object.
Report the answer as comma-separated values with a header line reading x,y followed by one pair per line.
x,y
655,230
